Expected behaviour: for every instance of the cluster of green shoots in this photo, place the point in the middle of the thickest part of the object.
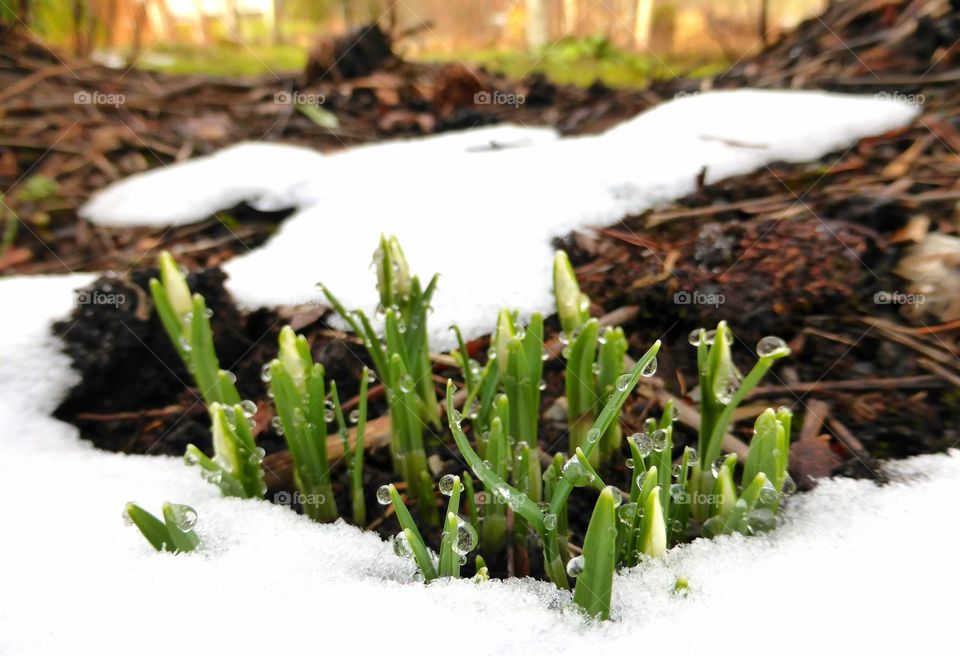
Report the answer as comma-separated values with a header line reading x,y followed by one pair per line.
x,y
401,358
665,501
304,407
513,495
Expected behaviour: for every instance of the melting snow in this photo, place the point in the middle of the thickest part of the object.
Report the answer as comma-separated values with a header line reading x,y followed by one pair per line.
x,y
481,207
856,568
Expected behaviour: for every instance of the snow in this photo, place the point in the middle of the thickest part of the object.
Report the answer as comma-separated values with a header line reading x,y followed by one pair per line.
x,y
482,216
856,568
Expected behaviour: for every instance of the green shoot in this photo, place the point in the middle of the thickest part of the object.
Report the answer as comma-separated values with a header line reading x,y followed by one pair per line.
x,y
594,569
356,466
408,542
722,389
186,320
236,465
544,521
402,361
573,307
174,533
299,393
594,361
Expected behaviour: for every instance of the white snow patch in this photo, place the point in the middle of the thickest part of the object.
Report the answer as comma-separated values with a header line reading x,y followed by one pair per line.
x,y
482,217
856,569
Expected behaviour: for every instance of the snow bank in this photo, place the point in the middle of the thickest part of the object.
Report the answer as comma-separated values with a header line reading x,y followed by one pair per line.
x,y
73,579
481,207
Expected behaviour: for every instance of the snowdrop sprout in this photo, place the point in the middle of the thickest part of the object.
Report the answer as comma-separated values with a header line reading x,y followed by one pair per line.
x,y
175,283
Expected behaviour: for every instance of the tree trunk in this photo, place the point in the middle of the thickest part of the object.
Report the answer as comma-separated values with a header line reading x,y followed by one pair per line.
x,y
764,21
537,26
643,24
570,17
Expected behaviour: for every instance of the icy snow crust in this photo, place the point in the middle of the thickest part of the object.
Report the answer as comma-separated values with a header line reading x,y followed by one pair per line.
x,y
855,569
481,207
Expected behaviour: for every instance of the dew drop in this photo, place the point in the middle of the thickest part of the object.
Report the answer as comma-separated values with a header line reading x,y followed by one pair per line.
x,y
185,345
677,470
550,521
694,337
641,477
771,345
447,484
768,494
627,512
717,466
674,412
466,538
651,368
229,375
456,416
692,456
593,435
185,517
354,416
616,494
628,463
623,382
191,459
789,486
401,546
709,336
249,407
760,520
575,566
659,440
712,527
643,442
383,495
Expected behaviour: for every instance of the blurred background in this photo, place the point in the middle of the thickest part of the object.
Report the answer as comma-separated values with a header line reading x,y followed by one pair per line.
x,y
618,42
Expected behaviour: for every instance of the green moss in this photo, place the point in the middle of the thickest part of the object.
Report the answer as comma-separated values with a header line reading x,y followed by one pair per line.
x,y
584,61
